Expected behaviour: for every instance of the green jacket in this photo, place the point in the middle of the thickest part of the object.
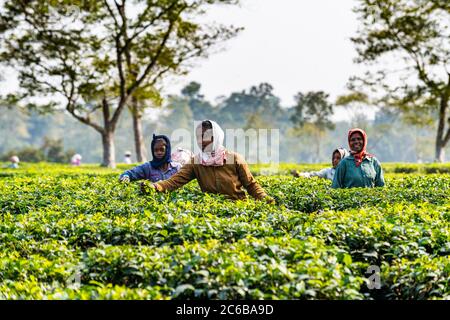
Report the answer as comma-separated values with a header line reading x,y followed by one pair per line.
x,y
369,174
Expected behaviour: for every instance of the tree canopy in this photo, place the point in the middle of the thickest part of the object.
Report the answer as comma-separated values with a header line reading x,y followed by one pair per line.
x,y
91,57
416,34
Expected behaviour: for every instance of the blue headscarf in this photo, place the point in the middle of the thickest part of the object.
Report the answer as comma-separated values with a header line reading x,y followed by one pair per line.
x,y
167,157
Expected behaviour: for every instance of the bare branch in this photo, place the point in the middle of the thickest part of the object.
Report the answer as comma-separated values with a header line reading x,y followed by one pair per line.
x,y
111,13
149,24
153,61
85,120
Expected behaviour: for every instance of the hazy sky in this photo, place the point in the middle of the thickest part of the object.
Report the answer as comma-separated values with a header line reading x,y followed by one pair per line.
x,y
295,45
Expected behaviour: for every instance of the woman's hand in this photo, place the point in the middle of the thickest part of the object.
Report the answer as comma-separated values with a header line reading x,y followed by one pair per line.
x,y
295,173
147,187
269,200
124,178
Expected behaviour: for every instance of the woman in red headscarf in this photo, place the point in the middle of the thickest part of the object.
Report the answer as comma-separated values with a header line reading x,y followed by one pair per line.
x,y
360,169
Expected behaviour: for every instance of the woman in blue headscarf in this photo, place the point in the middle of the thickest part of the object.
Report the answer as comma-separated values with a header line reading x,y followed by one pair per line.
x,y
160,168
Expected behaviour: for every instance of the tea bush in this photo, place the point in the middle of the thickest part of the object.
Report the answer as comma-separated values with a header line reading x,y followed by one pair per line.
x,y
76,233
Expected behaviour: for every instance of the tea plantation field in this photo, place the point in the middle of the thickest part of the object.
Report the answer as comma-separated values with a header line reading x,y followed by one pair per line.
x,y
76,233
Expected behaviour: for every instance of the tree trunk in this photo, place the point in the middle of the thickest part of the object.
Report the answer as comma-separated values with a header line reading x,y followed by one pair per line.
x,y
139,144
109,150
441,140
440,152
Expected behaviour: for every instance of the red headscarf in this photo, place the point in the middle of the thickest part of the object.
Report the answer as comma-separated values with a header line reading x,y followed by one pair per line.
x,y
359,156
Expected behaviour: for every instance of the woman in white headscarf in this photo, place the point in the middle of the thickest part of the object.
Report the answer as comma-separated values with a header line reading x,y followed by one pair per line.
x,y
210,138
327,173
216,169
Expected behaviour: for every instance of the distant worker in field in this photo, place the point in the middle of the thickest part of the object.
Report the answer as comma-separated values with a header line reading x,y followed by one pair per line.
x,y
160,168
127,157
327,173
182,156
76,159
360,169
14,162
216,169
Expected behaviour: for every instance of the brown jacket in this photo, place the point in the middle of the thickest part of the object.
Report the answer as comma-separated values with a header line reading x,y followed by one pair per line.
x,y
227,179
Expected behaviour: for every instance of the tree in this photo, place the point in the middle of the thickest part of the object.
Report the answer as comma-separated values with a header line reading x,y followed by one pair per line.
x,y
54,151
415,33
13,126
189,39
93,58
312,116
180,115
239,108
192,90
200,107
355,103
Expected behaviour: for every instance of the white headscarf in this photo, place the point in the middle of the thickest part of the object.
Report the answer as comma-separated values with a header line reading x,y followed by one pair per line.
x,y
217,154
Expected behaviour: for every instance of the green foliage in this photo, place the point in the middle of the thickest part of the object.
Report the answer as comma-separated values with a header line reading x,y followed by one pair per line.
x,y
59,223
312,117
51,151
313,108
386,132
388,167
240,106
415,34
27,154
54,151
101,56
